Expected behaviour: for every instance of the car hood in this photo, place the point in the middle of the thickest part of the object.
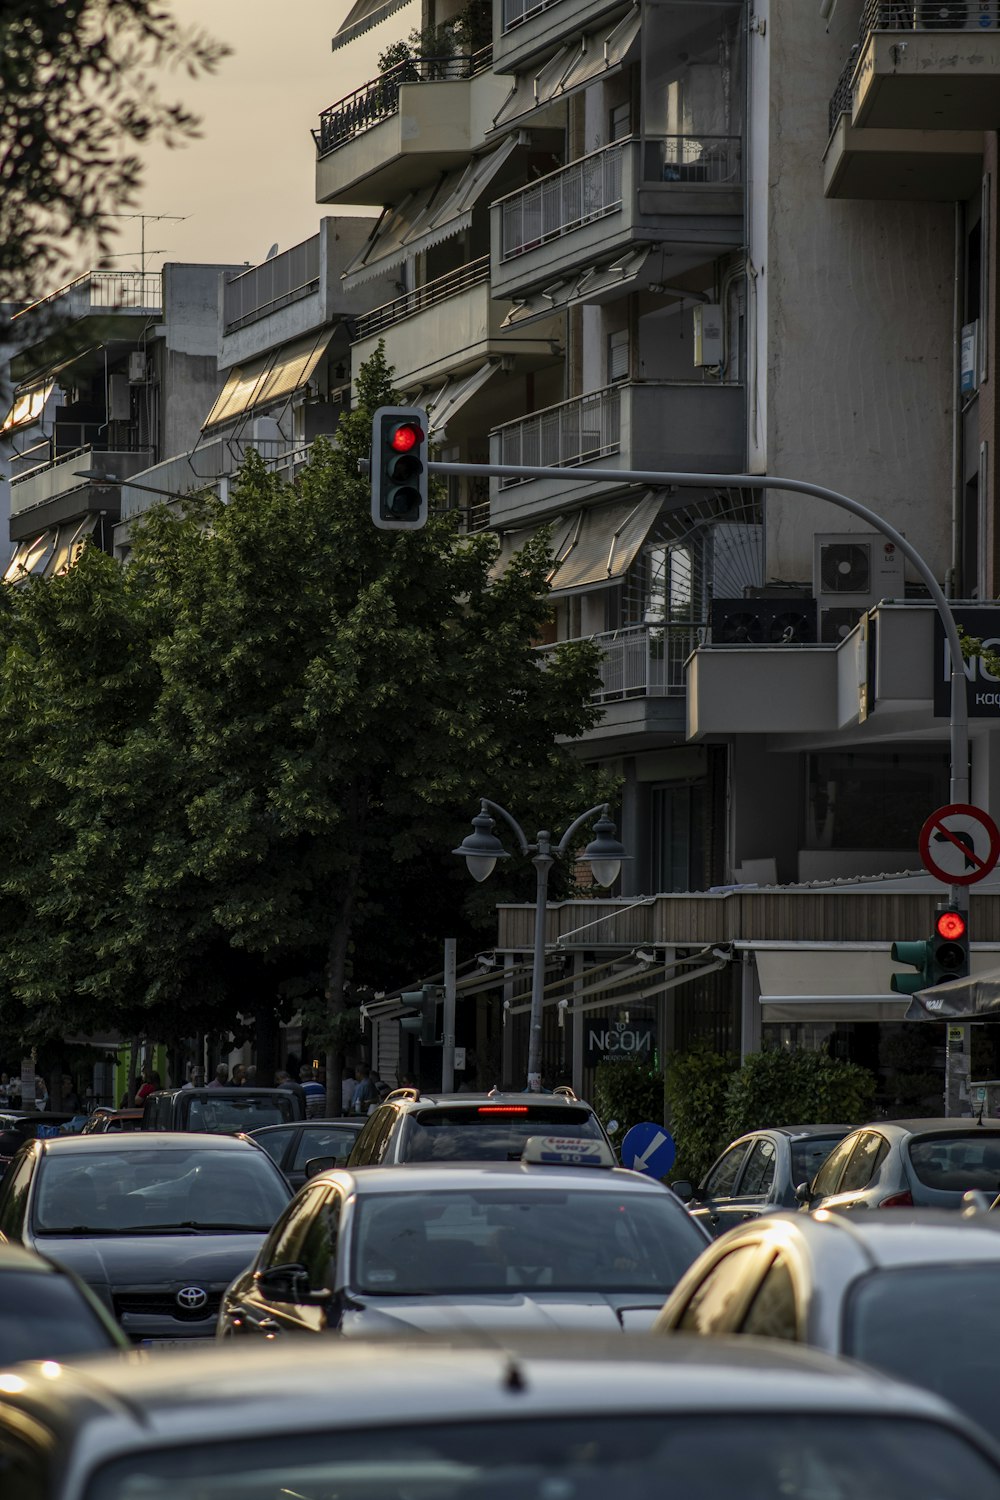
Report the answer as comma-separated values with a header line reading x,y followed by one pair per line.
x,y
594,1312
104,1261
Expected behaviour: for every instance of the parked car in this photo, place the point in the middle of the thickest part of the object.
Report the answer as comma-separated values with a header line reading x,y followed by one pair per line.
x,y
907,1164
758,1174
578,1418
294,1147
157,1226
911,1293
47,1313
409,1126
18,1126
501,1244
104,1120
225,1111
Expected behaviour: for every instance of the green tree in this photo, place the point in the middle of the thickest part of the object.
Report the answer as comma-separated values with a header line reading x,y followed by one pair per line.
x,y
696,1084
627,1093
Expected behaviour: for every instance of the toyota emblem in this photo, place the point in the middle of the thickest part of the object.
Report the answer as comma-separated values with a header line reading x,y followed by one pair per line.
x,y
191,1298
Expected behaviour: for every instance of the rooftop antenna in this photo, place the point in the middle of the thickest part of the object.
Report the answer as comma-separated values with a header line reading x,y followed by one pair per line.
x,y
143,220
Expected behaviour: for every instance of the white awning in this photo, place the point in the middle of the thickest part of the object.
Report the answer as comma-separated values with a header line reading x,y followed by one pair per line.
x,y
836,982
590,548
69,544
427,218
613,277
443,403
594,56
28,406
362,17
270,378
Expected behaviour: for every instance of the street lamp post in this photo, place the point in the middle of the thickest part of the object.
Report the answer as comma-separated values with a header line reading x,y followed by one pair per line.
x,y
481,850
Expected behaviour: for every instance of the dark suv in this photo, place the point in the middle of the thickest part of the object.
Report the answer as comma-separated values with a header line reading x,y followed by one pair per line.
x,y
414,1127
229,1111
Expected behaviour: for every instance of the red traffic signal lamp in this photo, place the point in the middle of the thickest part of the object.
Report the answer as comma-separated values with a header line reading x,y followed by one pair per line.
x,y
399,468
950,944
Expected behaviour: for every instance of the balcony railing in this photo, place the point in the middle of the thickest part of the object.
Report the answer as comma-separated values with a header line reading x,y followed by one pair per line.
x,y
106,291
563,200
712,160
643,661
377,100
573,432
274,283
516,11
473,274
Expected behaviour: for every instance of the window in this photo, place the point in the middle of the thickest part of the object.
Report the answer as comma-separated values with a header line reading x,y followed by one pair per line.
x,y
872,799
618,356
721,1179
361,1151
772,1312
677,848
15,1197
287,1239
332,1140
318,1251
864,1162
620,121
828,1176
758,1174
274,1143
712,1308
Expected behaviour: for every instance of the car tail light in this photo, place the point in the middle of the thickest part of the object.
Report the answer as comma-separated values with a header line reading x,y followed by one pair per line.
x,y
898,1200
502,1109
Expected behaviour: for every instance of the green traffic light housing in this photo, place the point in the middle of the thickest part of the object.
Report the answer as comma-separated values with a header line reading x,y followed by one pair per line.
x,y
936,959
399,468
918,954
422,1021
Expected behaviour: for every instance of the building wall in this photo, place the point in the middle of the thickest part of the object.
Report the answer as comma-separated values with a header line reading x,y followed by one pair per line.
x,y
189,373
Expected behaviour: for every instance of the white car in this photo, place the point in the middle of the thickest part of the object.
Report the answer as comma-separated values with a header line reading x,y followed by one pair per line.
x,y
551,1419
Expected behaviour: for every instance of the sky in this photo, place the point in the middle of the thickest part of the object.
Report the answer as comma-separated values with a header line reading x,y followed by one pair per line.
x,y
249,182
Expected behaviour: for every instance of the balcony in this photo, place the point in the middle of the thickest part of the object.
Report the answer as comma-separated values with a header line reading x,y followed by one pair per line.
x,y
450,325
275,283
643,683
421,117
54,492
686,427
111,300
684,191
526,31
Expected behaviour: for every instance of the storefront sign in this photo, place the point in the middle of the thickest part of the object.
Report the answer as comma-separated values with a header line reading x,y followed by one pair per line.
x,y
984,688
618,1041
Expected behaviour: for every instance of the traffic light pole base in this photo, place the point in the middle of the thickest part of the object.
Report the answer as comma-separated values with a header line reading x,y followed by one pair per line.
x,y
957,1070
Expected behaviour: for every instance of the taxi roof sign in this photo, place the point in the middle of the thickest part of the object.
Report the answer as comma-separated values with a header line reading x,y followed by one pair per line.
x,y
566,1151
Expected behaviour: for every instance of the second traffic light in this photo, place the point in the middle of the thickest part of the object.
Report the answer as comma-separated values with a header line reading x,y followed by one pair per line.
x,y
422,1019
399,468
936,959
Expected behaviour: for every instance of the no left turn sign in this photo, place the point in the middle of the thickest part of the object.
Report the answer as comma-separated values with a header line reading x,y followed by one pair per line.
x,y
960,844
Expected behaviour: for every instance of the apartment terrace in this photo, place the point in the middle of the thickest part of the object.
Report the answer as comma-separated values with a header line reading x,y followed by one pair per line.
x,y
275,283
526,30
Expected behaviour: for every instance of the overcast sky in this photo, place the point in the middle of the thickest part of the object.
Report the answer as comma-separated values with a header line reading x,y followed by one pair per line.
x,y
250,181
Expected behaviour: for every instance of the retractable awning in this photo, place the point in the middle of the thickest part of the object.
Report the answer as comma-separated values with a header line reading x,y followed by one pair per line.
x,y
591,548
31,558
27,407
612,278
69,542
446,400
270,378
573,67
362,17
427,218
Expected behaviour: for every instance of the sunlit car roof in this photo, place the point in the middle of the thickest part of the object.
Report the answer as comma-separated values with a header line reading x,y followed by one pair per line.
x,y
423,1177
897,1237
145,1140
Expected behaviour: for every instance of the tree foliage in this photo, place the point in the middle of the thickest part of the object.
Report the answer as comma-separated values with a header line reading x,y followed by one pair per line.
x,y
628,1093
696,1084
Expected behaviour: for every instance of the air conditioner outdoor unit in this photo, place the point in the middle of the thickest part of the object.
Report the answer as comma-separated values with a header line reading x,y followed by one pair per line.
x,y
851,572
136,368
763,622
953,15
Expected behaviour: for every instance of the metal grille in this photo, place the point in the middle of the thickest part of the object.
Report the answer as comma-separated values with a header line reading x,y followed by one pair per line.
x,y
516,11
164,1305
131,291
377,100
574,432
473,274
273,284
712,160
587,189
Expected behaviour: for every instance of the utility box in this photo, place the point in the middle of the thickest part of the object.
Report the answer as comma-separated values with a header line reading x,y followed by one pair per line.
x,y
707,334
985,1097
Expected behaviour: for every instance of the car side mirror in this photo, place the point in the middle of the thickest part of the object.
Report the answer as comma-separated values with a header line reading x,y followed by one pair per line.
x,y
803,1192
683,1190
321,1164
290,1283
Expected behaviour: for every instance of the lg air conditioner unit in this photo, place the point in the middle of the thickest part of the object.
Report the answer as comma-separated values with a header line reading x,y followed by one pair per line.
x,y
953,15
763,622
137,368
852,571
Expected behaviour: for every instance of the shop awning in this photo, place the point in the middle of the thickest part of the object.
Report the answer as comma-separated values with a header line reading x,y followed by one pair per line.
x,y
591,548
427,218
27,407
573,67
362,17
272,377
961,999
837,981
444,401
613,277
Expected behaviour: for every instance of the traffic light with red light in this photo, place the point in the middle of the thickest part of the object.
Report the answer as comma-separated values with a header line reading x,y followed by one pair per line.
x,y
950,944
399,468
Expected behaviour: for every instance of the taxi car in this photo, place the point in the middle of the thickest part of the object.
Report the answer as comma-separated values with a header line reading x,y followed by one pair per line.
x,y
562,1238
564,1418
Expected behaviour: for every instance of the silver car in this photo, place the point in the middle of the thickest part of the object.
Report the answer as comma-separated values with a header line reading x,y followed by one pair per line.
x,y
908,1164
549,1419
913,1293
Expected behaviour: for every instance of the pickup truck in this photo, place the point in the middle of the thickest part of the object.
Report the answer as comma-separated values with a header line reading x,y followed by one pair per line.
x,y
226,1111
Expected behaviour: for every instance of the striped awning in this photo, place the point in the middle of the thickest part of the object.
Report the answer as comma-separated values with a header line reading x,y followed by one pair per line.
x,y
362,17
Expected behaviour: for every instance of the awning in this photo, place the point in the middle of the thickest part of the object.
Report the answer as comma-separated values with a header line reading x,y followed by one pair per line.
x,y
613,277
591,548
594,56
960,999
28,406
447,399
31,558
69,544
272,377
427,218
835,982
362,17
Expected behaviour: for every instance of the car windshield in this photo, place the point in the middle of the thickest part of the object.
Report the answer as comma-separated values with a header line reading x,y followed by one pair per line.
x,y
956,1163
809,1155
950,1347
118,1192
496,1239
322,1140
489,1132
46,1316
227,1116
585,1457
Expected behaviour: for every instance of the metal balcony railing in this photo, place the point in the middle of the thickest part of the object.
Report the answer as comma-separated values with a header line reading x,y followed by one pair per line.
x,y
585,190
473,274
577,431
274,283
517,11
377,100
107,291
713,160
643,661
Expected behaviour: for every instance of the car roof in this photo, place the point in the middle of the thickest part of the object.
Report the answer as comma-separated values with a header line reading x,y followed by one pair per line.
x,y
155,1140
458,1176
414,1099
213,1091
112,1404
957,1125
894,1239
352,1124
798,1132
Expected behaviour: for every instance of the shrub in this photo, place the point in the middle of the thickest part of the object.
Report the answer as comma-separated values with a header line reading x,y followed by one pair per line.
x,y
627,1092
696,1084
796,1088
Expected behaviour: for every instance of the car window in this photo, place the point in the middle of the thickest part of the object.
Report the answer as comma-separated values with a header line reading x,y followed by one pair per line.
x,y
15,1195
712,1304
758,1174
809,1154
319,1245
956,1163
870,1151
720,1180
274,1142
828,1176
772,1312
326,1140
284,1245
361,1151
227,1115
45,1316
489,1132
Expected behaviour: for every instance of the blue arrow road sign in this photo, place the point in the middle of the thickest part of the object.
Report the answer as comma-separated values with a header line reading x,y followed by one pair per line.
x,y
649,1148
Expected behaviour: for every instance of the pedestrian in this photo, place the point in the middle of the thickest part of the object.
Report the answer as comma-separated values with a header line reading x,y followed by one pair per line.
x,y
365,1093
315,1093
283,1081
238,1077
250,1076
382,1089
41,1092
196,1080
347,1083
70,1098
221,1077
150,1084
4,1089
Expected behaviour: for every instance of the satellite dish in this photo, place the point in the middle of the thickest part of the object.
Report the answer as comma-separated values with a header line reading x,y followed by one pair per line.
x,y
271,253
